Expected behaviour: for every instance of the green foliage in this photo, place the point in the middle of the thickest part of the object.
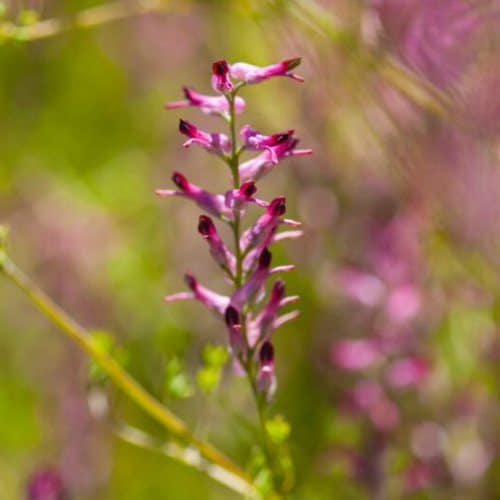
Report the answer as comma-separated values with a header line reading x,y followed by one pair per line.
x,y
177,383
214,358
278,429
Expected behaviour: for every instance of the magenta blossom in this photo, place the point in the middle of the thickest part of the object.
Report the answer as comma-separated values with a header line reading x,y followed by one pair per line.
x,y
236,339
255,141
237,199
257,167
212,203
266,224
210,105
256,74
266,379
220,77
214,301
268,320
218,249
213,143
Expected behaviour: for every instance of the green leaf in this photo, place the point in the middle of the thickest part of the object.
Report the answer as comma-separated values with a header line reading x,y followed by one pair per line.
x,y
208,379
278,429
214,355
177,383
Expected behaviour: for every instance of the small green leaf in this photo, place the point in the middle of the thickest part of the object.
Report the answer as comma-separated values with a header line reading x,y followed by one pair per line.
x,y
208,379
278,429
214,355
177,383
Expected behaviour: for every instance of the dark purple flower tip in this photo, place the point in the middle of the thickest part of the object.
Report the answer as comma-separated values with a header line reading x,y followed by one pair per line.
x,y
190,95
278,291
266,354
277,206
180,181
220,68
290,64
232,316
206,226
282,137
186,127
265,258
190,281
248,188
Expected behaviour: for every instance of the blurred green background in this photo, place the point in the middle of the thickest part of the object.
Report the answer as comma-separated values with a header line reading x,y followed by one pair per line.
x,y
398,130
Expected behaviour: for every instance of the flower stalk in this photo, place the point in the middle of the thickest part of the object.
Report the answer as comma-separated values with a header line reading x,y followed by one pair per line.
x,y
249,329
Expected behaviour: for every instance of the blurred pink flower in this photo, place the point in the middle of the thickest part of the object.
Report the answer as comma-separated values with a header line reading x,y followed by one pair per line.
x,y
366,288
407,372
355,354
403,303
46,484
434,38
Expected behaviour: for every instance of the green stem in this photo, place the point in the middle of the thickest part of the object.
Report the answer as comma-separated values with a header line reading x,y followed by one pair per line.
x,y
240,482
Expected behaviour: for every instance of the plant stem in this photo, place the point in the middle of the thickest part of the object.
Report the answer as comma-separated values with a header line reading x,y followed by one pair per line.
x,y
236,477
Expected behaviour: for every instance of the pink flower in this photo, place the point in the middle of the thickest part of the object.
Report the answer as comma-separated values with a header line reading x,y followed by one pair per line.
x,y
249,290
236,340
237,199
266,379
267,320
220,77
218,249
254,141
408,372
213,143
355,354
403,303
46,484
266,224
211,105
257,167
214,301
211,203
384,415
255,74
366,288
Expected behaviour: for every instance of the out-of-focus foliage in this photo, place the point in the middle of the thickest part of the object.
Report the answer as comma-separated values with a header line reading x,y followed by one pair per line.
x,y
389,380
